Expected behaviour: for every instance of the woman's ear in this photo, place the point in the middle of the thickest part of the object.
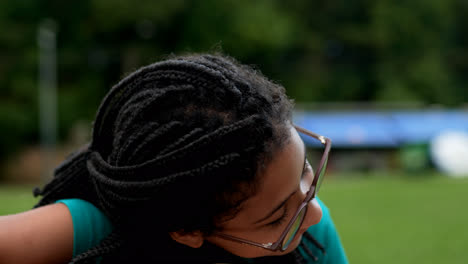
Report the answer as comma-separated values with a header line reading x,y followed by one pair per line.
x,y
192,239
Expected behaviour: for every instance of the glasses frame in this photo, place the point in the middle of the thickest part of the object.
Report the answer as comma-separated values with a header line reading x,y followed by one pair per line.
x,y
276,246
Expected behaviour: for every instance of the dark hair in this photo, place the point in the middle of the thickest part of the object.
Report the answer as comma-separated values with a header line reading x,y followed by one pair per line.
x,y
176,145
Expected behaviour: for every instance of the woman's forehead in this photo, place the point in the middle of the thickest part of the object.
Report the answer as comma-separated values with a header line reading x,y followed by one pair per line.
x,y
280,178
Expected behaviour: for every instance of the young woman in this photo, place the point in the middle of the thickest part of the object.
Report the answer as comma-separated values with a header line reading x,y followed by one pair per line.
x,y
193,159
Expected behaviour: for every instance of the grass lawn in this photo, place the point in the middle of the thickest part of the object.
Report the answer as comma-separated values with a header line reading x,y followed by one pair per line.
x,y
400,219
15,198
381,218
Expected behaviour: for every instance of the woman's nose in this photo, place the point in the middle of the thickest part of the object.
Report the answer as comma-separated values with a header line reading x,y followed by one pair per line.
x,y
314,214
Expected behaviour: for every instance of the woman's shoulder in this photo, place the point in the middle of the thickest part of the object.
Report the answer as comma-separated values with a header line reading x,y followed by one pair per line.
x,y
327,245
90,225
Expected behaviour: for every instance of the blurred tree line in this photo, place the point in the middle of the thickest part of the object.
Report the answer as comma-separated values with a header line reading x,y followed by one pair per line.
x,y
321,51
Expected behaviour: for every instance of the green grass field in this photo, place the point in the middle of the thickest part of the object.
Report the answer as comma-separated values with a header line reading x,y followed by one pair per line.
x,y
15,198
381,218
400,219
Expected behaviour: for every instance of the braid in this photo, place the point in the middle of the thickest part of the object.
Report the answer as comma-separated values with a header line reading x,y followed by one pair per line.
x,y
150,139
183,140
107,246
214,137
188,130
108,185
135,107
138,135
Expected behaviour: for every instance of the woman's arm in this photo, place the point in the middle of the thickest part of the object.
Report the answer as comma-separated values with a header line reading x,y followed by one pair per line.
x,y
42,235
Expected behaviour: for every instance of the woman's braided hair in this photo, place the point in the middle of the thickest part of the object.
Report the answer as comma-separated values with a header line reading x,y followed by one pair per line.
x,y
176,145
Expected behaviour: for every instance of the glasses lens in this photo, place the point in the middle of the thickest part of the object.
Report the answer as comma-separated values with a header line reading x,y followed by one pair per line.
x,y
321,173
292,232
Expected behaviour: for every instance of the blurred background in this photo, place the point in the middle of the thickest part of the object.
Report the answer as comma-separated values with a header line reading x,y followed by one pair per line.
x,y
385,80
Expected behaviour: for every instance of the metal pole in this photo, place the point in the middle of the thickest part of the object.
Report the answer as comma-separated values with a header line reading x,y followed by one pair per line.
x,y
46,40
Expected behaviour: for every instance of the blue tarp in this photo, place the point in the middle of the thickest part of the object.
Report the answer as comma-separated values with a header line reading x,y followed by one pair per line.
x,y
381,129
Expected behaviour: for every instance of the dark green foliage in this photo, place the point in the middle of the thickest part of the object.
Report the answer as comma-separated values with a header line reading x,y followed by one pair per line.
x,y
321,51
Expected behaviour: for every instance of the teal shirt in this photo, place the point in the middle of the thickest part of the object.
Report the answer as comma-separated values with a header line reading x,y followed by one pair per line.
x,y
90,226
325,232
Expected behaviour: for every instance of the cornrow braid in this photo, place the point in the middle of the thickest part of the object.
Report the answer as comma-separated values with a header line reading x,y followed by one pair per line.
x,y
108,245
192,130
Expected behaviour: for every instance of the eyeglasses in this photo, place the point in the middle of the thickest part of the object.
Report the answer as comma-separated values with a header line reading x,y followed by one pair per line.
x,y
295,223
